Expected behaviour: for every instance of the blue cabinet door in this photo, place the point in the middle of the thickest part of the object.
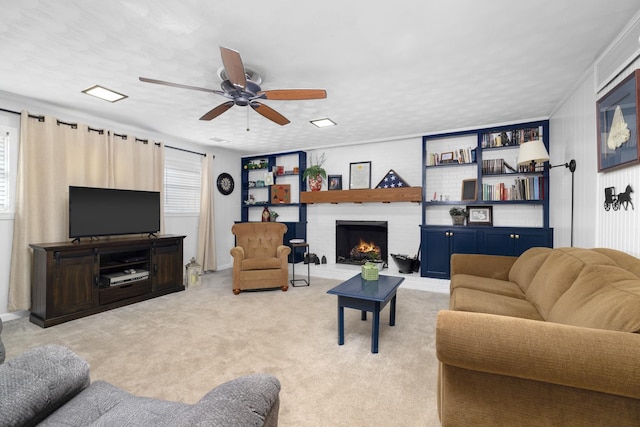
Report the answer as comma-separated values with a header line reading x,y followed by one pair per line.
x,y
463,241
498,241
529,238
435,253
514,241
438,243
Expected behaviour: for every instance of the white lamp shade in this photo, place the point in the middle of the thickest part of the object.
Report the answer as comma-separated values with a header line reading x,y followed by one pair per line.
x,y
533,151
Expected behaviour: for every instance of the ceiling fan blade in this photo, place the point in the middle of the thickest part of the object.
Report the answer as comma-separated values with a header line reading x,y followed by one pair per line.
x,y
294,94
178,85
233,66
269,113
217,111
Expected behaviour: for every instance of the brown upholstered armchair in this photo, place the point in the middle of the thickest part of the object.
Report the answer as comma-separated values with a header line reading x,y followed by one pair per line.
x,y
259,257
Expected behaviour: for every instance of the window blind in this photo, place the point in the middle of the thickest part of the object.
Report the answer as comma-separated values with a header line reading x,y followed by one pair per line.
x,y
4,172
182,185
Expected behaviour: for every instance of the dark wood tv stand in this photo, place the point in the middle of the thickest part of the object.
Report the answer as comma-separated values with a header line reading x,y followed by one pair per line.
x,y
68,279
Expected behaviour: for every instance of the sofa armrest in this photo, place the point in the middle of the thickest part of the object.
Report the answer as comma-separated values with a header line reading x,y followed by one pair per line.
x,y
252,400
592,359
491,266
283,251
237,252
39,381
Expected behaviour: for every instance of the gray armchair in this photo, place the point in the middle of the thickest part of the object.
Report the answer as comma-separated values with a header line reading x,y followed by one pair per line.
x,y
51,385
1,345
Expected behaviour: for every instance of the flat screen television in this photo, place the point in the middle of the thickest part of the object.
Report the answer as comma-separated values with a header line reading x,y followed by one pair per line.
x,y
95,212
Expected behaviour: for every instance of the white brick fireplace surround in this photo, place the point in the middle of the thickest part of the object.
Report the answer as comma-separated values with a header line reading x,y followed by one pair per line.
x,y
404,238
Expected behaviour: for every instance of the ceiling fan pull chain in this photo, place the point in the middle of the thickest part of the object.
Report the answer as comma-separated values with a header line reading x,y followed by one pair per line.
x,y
248,120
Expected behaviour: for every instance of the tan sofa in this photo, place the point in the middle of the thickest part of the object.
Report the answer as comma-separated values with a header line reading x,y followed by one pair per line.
x,y
550,338
260,260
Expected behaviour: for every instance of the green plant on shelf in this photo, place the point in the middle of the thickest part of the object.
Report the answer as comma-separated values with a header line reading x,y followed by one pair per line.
x,y
456,211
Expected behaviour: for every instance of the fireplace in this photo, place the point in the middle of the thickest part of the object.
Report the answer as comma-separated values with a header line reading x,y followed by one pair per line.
x,y
361,241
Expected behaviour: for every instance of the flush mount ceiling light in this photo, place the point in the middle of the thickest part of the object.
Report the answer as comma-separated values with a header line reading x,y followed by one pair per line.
x,y
104,93
323,123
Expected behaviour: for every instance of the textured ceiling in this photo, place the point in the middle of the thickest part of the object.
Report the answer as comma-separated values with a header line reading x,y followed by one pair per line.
x,y
391,69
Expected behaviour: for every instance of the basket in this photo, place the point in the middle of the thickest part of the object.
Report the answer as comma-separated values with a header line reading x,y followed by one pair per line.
x,y
370,271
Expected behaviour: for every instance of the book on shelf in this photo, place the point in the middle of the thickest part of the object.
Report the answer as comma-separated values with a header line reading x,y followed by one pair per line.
x,y
458,156
528,188
510,137
496,167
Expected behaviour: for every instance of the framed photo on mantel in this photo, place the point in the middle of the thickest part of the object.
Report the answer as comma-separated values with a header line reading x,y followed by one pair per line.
x,y
359,175
618,125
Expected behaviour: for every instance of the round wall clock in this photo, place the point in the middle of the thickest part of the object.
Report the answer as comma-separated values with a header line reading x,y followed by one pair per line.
x,y
225,183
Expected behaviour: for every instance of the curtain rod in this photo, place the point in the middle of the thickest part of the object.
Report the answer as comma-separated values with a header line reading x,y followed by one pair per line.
x,y
185,150
9,111
19,113
59,122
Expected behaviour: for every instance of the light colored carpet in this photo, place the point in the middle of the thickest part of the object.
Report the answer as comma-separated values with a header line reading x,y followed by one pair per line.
x,y
179,346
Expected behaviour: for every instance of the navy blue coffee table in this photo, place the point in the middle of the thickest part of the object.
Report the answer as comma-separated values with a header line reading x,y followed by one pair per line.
x,y
367,295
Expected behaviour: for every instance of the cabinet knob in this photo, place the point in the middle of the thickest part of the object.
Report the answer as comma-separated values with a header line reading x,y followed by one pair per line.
x,y
512,236
517,236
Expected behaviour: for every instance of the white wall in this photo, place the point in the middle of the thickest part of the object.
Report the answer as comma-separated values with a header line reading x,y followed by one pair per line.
x,y
227,208
573,132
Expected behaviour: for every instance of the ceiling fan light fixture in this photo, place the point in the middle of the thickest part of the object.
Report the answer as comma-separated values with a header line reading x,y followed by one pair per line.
x,y
250,73
323,123
104,93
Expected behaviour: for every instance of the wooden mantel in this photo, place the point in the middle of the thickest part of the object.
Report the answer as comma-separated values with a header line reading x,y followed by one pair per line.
x,y
384,195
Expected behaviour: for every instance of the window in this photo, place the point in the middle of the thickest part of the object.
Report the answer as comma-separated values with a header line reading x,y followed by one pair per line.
x,y
182,183
5,178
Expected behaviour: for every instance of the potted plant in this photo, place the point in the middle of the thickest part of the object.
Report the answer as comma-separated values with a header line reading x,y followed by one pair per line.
x,y
458,215
315,173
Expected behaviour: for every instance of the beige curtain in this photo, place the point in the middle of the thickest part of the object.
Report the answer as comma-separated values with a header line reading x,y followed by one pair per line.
x,y
52,156
129,172
206,255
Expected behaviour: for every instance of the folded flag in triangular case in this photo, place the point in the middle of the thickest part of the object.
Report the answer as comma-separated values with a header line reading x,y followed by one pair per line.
x,y
392,180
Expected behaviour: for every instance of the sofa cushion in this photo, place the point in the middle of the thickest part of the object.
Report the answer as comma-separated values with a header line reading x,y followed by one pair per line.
x,y
107,405
527,265
485,284
463,299
261,263
624,260
22,397
38,382
602,297
557,274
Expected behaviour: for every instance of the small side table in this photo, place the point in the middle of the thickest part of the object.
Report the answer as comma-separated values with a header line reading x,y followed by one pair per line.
x,y
293,281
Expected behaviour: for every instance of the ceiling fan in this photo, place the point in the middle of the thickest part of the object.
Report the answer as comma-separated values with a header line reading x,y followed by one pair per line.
x,y
240,90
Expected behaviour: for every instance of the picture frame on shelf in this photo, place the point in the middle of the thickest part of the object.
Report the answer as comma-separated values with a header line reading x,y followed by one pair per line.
x,y
446,157
359,175
469,190
268,178
480,215
618,139
335,182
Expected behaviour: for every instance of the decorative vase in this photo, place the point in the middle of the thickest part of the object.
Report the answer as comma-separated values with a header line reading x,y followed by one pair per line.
x,y
458,219
266,215
315,183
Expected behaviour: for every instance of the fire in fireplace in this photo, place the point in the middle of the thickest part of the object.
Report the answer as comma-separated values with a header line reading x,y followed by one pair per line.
x,y
367,251
360,241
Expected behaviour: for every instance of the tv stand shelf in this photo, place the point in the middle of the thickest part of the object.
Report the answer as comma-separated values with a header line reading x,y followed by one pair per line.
x,y
66,285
